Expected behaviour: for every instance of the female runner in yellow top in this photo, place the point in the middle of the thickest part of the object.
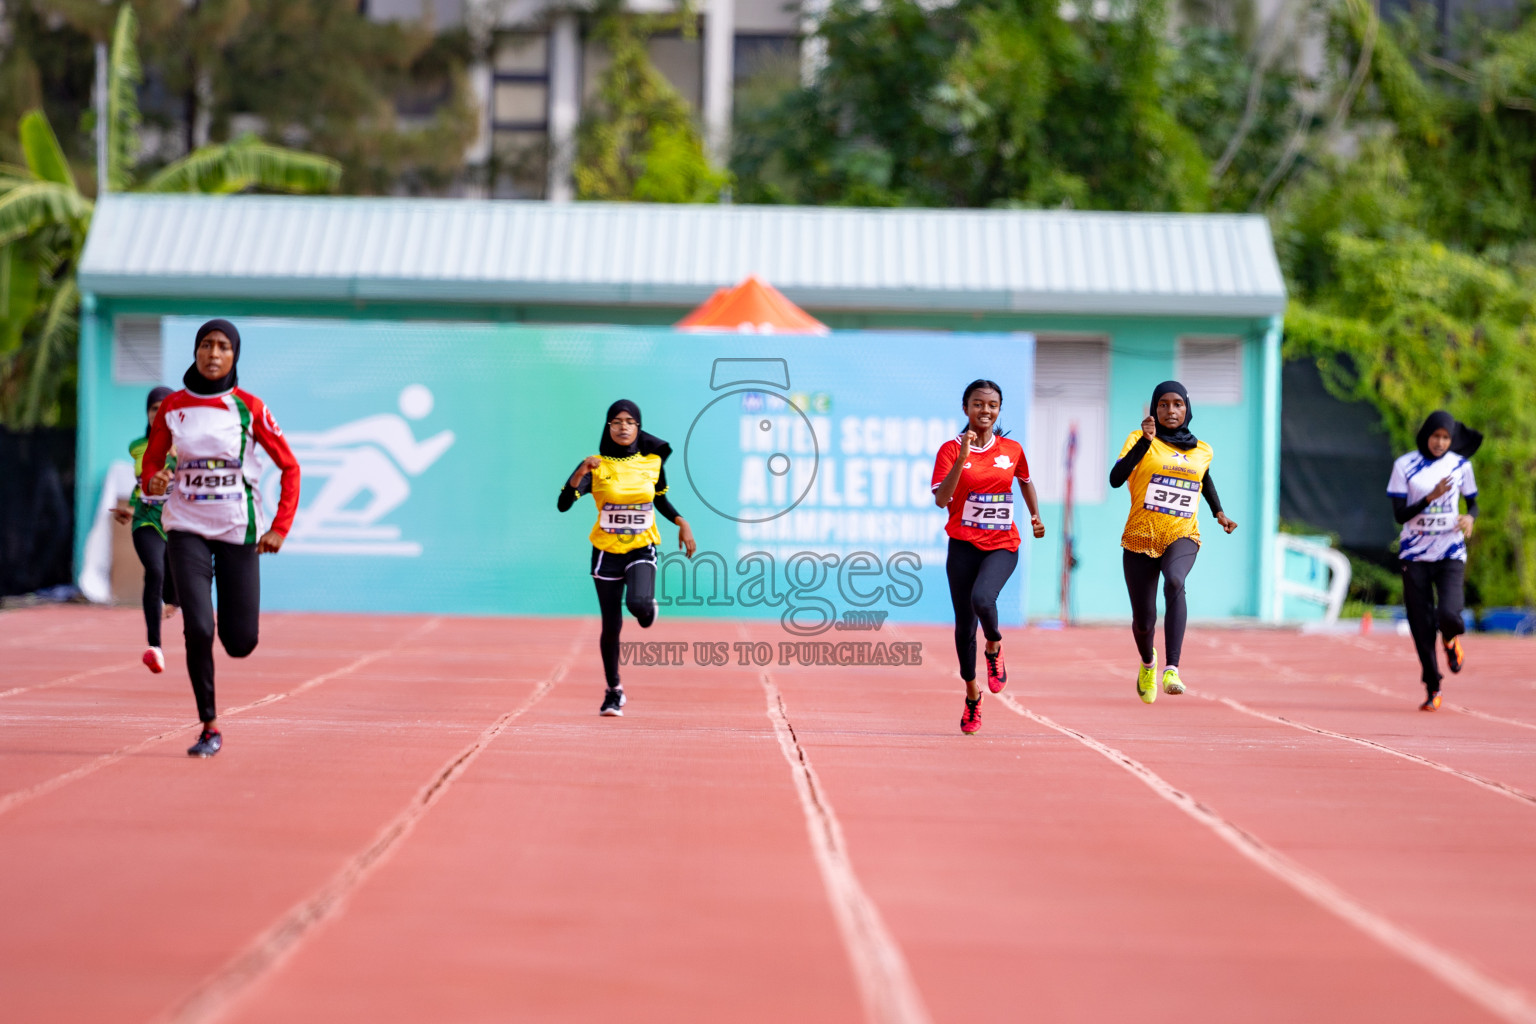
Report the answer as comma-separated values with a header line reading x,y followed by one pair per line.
x,y
1168,469
627,481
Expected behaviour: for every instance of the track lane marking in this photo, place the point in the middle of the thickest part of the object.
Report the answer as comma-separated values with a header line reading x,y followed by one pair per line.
x,y
1505,1001
886,988
221,992
13,800
62,680
1489,784
1462,708
1290,673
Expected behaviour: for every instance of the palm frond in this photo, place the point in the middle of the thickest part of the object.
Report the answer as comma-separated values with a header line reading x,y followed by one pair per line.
x,y
123,77
45,158
247,163
59,327
38,204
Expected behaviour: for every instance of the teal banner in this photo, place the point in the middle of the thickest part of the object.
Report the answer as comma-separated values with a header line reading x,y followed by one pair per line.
x,y
433,454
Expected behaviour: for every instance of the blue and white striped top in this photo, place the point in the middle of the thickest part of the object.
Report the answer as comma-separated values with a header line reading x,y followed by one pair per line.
x,y
1433,534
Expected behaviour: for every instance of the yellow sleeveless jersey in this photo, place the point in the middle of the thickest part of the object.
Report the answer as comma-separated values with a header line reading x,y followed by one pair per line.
x,y
624,489
1165,495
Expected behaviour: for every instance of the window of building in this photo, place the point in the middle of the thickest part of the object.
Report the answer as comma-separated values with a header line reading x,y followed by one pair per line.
x,y
1211,369
1071,392
136,350
520,114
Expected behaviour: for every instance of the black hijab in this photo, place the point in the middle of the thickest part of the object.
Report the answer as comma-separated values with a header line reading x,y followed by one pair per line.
x,y
1179,437
158,394
643,444
1464,440
198,384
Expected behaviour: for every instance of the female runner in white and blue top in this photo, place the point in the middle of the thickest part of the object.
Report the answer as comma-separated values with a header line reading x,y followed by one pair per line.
x,y
1426,489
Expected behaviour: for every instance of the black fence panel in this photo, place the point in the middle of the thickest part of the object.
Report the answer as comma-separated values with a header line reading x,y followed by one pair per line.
x,y
37,509
1334,462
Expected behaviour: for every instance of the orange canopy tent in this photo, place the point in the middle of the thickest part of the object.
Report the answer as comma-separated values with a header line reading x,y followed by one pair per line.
x,y
753,307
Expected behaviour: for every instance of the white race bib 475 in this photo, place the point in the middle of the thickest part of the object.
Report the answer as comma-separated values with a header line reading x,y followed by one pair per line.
x,y
625,519
1171,496
988,511
1434,520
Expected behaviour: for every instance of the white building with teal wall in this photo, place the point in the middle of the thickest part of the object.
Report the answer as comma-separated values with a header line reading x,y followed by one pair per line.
x,y
1114,304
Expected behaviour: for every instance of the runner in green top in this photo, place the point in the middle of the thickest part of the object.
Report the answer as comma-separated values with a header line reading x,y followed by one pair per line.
x,y
149,543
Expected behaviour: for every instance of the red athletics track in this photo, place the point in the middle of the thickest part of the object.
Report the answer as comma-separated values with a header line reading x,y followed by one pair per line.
x,y
424,819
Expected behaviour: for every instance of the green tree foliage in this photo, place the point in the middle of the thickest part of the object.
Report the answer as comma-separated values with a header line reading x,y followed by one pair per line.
x,y
44,219
638,139
1411,271
987,103
389,101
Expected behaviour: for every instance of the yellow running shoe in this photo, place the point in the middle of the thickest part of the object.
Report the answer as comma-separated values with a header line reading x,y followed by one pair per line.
x,y
1146,680
1171,681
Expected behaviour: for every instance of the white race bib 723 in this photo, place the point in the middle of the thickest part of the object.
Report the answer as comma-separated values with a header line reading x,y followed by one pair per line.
x,y
1171,496
988,511
625,519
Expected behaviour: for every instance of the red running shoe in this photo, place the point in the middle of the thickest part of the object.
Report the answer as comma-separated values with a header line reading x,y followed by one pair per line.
x,y
1432,704
997,672
154,659
970,721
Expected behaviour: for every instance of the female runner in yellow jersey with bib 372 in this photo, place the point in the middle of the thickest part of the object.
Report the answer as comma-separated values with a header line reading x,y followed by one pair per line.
x,y
629,484
1168,469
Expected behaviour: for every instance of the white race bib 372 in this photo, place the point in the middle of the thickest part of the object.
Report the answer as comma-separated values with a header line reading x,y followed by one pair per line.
x,y
1171,496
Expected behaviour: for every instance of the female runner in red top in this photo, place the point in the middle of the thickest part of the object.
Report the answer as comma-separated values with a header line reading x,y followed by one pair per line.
x,y
213,519
983,541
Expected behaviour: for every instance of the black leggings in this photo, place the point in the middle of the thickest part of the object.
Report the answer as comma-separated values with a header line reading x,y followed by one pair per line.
x,y
976,577
158,588
1141,573
640,580
197,565
1432,597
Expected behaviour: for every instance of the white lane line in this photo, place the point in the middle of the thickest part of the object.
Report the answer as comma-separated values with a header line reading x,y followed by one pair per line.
x,y
11,801
62,680
219,994
1503,1000
1462,708
885,985
1489,784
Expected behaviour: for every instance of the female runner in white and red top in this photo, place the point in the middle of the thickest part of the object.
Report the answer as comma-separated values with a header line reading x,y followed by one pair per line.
x,y
213,519
983,540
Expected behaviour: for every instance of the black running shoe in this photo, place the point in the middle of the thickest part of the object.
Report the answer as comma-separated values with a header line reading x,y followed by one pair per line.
x,y
1454,655
613,703
207,744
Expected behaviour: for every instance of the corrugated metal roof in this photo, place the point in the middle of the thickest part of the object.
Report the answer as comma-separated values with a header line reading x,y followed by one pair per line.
x,y
279,247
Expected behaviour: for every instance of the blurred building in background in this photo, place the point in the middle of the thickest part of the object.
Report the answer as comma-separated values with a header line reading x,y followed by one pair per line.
x,y
542,67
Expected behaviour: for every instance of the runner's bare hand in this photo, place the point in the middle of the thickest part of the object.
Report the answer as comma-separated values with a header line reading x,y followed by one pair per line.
x,y
1464,524
122,515
685,538
159,483
1226,524
1037,527
1440,488
271,542
1149,428
969,442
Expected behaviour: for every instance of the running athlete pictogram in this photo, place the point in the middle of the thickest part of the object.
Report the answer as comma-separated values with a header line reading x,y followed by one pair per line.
x,y
365,468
